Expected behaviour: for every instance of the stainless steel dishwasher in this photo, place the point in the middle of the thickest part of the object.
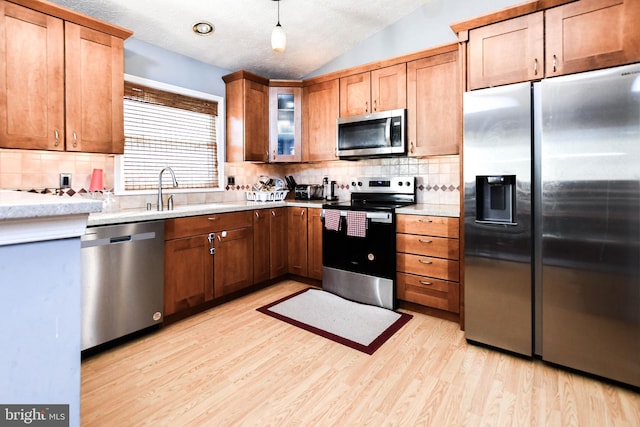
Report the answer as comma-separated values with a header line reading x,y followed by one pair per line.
x,y
122,280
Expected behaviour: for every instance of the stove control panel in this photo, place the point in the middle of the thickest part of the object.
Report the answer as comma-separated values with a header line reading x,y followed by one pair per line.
x,y
400,184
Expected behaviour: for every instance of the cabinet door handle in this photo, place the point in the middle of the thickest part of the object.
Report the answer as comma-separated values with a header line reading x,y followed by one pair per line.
x,y
425,220
535,66
375,105
273,213
424,282
411,147
425,241
211,237
75,139
425,262
257,214
555,63
55,132
366,106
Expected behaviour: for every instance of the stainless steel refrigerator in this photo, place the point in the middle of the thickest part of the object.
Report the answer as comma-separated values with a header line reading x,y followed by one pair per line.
x,y
552,220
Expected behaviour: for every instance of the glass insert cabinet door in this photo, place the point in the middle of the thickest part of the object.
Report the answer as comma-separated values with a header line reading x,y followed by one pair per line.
x,y
285,111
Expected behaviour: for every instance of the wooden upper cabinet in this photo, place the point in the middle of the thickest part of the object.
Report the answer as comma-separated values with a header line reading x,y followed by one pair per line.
x,y
355,94
591,34
571,37
507,52
320,110
285,124
94,90
434,105
389,88
378,90
31,79
247,118
62,83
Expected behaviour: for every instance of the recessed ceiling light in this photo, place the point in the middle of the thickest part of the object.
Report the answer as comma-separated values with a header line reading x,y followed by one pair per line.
x,y
203,28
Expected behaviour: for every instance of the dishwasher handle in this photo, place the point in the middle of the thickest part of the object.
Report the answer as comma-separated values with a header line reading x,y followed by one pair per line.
x,y
89,242
120,239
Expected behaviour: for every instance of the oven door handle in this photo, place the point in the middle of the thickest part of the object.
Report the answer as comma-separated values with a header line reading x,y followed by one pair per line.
x,y
387,132
377,217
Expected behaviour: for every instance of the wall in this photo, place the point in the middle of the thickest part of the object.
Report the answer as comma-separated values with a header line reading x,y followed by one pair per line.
x,y
427,27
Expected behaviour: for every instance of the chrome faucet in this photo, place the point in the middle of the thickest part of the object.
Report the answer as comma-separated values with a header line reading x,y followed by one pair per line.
x,y
175,184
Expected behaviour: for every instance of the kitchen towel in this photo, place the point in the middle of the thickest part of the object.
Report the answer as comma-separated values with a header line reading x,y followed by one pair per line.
x,y
332,219
356,224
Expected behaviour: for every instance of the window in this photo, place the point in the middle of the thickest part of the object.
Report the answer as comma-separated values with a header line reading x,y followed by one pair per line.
x,y
169,126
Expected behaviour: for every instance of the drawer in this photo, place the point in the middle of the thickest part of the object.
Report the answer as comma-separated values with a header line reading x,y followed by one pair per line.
x,y
194,225
445,269
441,226
438,247
441,294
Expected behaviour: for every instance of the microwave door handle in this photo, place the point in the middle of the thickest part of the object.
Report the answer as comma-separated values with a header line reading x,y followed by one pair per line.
x,y
387,132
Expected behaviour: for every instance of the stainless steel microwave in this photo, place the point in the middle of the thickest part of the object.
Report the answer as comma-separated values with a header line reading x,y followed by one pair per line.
x,y
371,135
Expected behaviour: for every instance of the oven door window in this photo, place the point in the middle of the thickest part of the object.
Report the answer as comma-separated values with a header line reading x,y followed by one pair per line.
x,y
373,255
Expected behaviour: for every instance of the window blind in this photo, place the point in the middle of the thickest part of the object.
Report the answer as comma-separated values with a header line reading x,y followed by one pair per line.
x,y
167,129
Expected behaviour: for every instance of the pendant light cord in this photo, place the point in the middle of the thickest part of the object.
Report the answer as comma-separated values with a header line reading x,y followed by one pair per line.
x,y
278,1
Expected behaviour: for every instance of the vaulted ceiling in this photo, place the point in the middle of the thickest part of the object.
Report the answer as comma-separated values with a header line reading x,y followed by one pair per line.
x,y
317,31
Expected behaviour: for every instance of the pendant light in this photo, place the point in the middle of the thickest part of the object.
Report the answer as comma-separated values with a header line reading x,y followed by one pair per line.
x,y
278,37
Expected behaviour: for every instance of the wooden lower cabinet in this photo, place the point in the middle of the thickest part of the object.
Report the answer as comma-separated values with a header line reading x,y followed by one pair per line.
x,y
278,242
428,268
233,269
269,244
188,273
314,243
193,274
297,232
304,227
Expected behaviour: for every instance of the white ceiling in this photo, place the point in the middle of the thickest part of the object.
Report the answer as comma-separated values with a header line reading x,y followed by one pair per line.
x,y
317,31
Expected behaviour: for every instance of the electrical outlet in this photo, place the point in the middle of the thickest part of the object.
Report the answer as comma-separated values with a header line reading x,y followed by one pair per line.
x,y
231,180
65,180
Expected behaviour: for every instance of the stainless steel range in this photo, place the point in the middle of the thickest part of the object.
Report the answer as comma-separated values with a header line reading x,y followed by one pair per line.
x,y
359,240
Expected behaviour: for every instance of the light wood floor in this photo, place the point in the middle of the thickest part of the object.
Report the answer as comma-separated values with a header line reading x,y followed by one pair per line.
x,y
234,366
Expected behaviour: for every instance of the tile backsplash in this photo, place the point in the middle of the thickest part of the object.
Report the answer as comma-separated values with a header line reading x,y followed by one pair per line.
x,y
31,169
438,177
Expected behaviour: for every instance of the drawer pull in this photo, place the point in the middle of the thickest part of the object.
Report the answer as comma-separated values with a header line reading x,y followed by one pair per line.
x,y
213,218
424,282
425,262
425,241
425,220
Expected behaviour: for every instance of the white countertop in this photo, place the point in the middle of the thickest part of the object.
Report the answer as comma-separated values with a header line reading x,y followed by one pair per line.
x,y
30,217
23,205
137,215
430,209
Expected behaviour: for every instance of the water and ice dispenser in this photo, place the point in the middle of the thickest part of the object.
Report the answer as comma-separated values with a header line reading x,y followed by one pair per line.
x,y
496,199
